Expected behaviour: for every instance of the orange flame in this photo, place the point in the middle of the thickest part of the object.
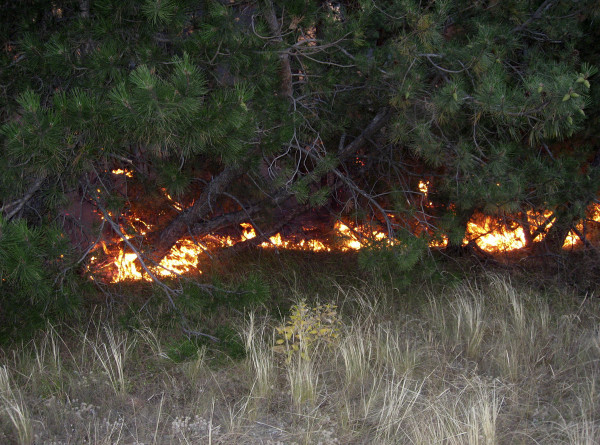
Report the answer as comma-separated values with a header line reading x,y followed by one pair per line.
x,y
120,171
494,239
183,257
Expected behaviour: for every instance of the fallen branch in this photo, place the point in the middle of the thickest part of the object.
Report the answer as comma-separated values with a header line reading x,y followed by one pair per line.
x,y
202,207
18,204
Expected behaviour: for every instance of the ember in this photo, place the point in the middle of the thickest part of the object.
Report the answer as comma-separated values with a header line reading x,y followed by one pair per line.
x,y
120,171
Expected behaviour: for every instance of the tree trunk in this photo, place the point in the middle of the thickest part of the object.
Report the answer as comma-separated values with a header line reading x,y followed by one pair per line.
x,y
284,57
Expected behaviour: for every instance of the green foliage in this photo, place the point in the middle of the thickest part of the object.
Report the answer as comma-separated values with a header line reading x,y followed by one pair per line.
x,y
183,350
159,11
175,181
230,342
399,261
35,280
250,291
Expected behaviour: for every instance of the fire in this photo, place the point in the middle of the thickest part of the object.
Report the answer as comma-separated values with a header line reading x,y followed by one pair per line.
x,y
126,268
493,239
185,255
491,234
174,203
120,171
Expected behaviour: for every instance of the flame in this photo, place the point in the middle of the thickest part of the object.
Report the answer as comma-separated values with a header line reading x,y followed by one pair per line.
x,y
126,268
174,203
249,232
491,238
492,235
120,171
183,258
439,243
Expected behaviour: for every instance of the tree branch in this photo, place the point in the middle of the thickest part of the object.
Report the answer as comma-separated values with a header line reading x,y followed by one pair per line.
x,y
284,57
19,203
168,291
374,126
535,16
201,208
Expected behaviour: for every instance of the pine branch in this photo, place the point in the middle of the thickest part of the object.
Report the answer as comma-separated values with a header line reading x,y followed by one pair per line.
x,y
535,16
19,203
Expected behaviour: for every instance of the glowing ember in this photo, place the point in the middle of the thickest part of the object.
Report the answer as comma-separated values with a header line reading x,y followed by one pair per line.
x,y
439,243
120,171
174,203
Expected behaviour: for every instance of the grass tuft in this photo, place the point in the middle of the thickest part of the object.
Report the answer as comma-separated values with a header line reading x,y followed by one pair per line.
x,y
13,407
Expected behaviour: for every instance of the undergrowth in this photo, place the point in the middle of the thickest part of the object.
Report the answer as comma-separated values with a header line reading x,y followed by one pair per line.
x,y
487,359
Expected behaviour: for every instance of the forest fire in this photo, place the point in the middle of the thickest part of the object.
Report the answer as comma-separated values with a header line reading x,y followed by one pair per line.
x,y
491,234
183,258
494,235
120,171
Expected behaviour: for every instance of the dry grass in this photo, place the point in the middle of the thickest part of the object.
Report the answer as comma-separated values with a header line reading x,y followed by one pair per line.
x,y
482,363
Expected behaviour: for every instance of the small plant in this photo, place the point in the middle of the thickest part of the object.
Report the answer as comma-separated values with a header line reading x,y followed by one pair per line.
x,y
307,328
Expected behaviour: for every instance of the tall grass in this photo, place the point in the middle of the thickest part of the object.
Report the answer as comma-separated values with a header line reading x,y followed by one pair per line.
x,y
484,362
13,407
112,353
260,356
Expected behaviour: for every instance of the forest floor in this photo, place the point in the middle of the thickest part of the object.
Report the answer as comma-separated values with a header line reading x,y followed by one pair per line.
x,y
329,354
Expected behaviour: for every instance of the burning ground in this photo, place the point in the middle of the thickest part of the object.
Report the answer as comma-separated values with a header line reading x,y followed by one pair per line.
x,y
114,261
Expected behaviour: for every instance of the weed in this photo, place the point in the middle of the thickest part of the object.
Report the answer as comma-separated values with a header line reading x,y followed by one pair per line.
x,y
307,328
